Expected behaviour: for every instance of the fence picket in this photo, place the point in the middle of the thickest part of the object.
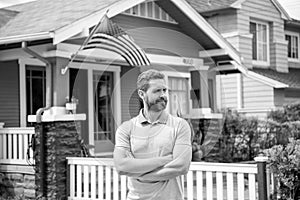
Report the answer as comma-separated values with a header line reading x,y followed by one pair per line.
x,y
115,184
252,187
21,154
106,183
123,187
189,180
199,182
9,146
93,182
72,180
78,181
229,180
100,182
241,186
209,185
219,179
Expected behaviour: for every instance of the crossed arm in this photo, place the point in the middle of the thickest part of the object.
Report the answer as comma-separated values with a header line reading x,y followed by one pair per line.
x,y
156,168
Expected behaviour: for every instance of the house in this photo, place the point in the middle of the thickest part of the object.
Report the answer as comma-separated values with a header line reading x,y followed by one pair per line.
x,y
267,38
41,65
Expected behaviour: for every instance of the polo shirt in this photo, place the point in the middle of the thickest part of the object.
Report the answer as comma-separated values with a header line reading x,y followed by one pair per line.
x,y
146,140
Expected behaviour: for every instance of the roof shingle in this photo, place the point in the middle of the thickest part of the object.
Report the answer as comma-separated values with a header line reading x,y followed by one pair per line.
x,y
46,16
210,5
292,79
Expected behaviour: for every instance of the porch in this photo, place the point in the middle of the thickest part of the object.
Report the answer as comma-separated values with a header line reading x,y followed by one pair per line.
x,y
96,178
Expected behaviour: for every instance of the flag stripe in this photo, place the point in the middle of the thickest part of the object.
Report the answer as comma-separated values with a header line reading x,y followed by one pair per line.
x,y
123,44
128,42
140,50
110,48
109,36
121,50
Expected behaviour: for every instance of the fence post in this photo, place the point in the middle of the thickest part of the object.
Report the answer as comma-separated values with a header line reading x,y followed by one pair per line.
x,y
262,177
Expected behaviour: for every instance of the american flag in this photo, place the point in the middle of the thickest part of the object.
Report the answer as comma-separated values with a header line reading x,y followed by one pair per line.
x,y
109,36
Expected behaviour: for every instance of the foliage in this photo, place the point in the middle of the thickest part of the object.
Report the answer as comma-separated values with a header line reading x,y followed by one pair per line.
x,y
243,138
285,163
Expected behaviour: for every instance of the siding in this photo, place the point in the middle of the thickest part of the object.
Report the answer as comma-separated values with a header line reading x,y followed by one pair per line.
x,y
129,99
9,93
228,91
257,95
265,11
155,35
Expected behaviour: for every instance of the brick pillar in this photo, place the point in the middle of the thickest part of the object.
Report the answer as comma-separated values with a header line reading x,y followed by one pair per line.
x,y
61,141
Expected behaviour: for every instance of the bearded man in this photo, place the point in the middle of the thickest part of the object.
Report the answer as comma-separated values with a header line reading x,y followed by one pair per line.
x,y
154,148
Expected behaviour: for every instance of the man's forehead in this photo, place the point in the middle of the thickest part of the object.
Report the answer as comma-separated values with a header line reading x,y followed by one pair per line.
x,y
157,83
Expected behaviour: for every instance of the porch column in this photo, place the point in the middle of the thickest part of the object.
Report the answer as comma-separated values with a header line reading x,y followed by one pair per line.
x,y
199,82
60,82
56,139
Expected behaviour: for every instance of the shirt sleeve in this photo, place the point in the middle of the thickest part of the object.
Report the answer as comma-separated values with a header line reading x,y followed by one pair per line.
x,y
184,133
123,136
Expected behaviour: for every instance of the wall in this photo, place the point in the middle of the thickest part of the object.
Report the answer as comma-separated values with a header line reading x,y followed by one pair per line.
x,y
17,182
257,95
155,35
267,12
9,93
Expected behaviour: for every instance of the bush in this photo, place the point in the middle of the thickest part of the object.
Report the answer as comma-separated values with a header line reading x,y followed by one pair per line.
x,y
285,163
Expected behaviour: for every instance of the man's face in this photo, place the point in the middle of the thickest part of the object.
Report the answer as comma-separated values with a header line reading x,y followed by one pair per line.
x,y
156,97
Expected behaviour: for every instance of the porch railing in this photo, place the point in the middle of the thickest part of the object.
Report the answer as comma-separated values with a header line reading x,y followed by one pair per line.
x,y
96,178
14,143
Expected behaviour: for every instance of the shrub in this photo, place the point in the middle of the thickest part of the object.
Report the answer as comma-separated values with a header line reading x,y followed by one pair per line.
x,y
285,163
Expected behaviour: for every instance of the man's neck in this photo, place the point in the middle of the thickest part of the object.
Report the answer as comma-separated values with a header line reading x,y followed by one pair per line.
x,y
152,116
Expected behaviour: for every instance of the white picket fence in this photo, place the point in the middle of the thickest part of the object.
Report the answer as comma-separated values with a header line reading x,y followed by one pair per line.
x,y
97,179
14,143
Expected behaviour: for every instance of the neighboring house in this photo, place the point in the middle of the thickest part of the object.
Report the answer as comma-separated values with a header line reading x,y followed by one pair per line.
x,y
267,39
38,40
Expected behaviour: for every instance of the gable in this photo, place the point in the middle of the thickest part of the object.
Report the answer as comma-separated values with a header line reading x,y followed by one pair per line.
x,y
264,10
150,10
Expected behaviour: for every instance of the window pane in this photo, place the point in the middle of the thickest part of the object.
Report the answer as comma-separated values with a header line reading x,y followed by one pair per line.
x,y
157,11
143,9
178,96
150,9
254,40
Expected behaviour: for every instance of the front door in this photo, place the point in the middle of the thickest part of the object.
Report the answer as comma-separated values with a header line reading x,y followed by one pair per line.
x,y
103,111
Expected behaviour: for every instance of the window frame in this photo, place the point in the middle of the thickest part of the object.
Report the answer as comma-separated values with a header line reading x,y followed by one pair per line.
x,y
22,85
175,74
261,62
296,34
161,13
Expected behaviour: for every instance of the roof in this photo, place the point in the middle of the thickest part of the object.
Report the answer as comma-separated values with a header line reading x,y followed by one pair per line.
x,y
210,5
292,7
55,14
203,6
292,79
59,20
6,15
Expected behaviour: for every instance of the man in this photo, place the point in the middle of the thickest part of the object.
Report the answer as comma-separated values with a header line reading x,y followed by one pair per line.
x,y
153,148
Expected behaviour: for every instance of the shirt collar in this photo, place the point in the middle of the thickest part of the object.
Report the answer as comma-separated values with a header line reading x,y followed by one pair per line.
x,y
162,118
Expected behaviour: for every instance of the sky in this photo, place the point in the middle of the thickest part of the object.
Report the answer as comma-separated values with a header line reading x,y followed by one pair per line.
x,y
5,3
292,7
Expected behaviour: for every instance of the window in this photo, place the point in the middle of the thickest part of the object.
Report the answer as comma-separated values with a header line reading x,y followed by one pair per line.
x,y
178,95
103,120
150,10
35,89
293,45
260,42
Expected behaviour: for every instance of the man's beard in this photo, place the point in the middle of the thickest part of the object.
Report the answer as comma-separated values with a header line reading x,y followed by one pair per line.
x,y
154,105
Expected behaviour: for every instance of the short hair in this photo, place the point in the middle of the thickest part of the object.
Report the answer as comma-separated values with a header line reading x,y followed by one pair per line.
x,y
145,77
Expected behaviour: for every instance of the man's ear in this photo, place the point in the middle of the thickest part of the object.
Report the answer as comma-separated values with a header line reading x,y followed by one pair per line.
x,y
141,94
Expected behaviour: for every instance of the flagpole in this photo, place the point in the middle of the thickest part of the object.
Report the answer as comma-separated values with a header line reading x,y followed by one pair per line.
x,y
65,69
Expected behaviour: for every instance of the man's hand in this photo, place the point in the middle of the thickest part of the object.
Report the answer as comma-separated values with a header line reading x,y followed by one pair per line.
x,y
126,164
